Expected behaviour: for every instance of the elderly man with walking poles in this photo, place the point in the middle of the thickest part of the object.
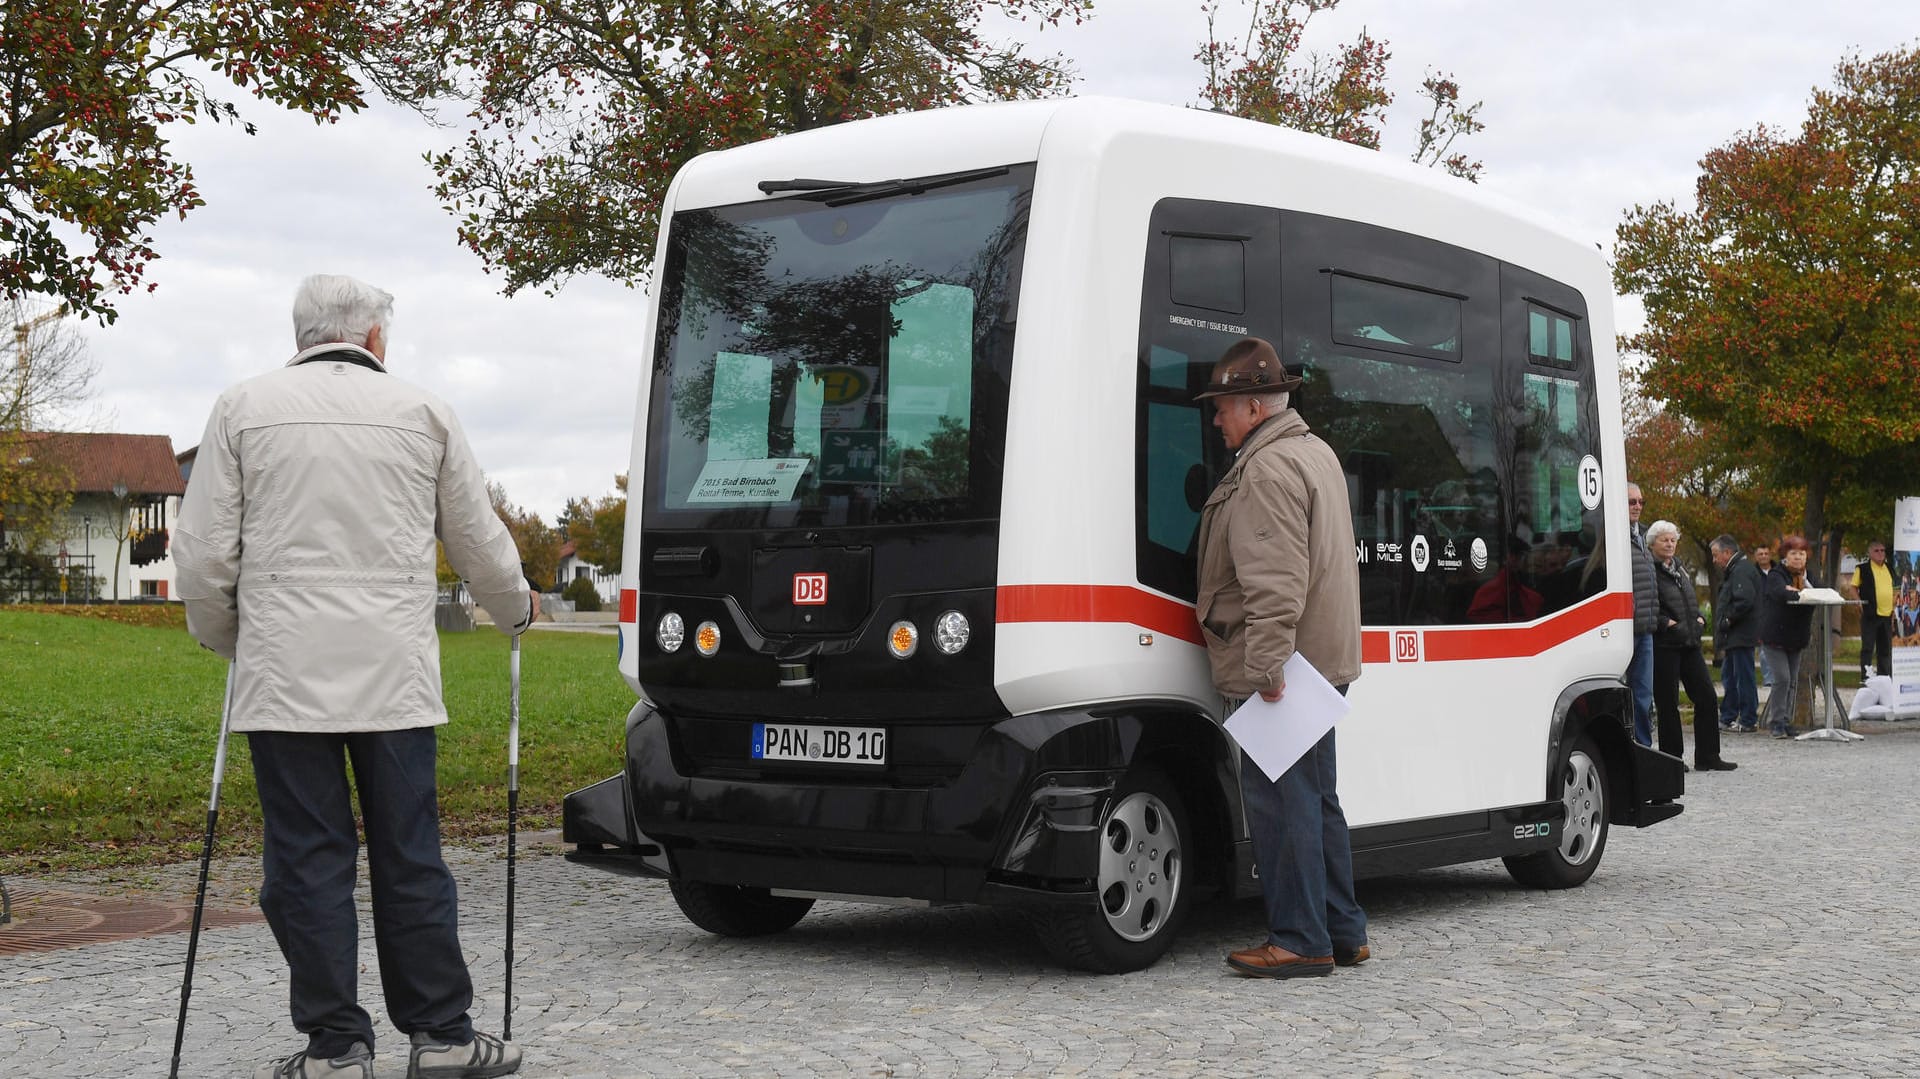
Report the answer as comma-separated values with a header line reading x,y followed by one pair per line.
x,y
305,552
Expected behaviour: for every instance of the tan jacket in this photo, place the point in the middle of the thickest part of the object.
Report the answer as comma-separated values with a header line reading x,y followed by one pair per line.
x,y
1277,568
305,553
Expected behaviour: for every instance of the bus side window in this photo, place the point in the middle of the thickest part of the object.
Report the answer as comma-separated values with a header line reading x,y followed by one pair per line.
x,y
1174,435
1211,277
1551,417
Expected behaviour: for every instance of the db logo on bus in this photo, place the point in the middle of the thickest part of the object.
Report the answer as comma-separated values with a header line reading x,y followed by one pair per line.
x,y
809,589
1406,646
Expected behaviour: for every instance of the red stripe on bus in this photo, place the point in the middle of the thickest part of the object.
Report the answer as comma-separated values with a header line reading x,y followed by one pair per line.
x,y
1376,646
1120,603
1514,642
1097,603
629,605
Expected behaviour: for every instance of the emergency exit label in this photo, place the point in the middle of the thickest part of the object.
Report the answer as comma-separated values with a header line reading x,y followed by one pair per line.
x,y
850,457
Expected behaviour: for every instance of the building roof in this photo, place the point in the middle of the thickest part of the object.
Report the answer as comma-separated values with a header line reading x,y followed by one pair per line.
x,y
95,462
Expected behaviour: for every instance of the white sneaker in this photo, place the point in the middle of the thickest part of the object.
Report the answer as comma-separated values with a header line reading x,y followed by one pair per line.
x,y
482,1058
355,1063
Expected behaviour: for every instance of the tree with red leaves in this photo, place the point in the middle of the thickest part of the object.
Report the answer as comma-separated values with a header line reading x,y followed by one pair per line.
x,y
1784,309
581,113
1266,77
1702,480
88,88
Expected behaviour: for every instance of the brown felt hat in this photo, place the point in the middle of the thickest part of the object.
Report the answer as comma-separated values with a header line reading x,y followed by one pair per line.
x,y
1249,366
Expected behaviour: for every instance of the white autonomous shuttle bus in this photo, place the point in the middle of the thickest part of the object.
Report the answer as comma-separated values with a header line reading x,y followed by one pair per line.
x,y
908,584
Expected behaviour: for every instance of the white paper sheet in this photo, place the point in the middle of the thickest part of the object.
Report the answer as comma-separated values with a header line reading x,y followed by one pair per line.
x,y
1277,733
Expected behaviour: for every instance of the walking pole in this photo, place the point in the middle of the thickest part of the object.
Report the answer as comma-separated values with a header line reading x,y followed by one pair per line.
x,y
513,814
206,857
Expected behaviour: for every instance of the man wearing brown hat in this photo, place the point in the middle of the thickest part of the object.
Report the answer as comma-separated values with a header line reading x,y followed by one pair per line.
x,y
1278,576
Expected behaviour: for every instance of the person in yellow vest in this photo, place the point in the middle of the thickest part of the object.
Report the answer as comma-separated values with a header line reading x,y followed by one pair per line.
x,y
1873,586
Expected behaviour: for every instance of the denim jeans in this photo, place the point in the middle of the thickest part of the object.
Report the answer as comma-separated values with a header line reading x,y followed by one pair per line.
x,y
311,861
1305,855
1640,681
1740,707
1783,669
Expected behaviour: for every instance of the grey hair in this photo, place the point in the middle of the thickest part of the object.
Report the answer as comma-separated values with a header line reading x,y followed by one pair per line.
x,y
1661,528
1275,403
334,307
1725,542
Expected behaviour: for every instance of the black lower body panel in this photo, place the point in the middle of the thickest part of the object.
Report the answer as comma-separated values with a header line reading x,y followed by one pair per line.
x,y
1403,847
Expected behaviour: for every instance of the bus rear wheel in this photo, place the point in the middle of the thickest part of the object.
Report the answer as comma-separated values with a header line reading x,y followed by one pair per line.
x,y
1143,886
1583,837
733,911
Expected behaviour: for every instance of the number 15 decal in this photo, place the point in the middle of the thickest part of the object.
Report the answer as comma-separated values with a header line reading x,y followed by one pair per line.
x,y
1589,481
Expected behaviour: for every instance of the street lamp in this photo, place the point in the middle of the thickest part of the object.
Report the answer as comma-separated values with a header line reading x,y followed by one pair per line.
x,y
86,522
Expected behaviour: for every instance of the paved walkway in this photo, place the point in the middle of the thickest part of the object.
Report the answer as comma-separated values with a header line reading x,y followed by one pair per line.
x,y
1773,929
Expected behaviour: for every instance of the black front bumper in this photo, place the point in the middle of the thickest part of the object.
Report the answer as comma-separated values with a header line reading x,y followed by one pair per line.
x,y
1017,818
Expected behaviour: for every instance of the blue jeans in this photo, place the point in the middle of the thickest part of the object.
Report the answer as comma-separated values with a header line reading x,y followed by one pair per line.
x,y
1741,704
311,861
1305,855
1640,681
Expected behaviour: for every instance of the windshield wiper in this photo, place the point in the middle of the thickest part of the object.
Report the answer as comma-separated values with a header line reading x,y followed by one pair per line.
x,y
841,193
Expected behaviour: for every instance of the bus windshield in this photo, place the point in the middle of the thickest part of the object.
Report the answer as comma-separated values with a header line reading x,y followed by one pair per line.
x,y
837,365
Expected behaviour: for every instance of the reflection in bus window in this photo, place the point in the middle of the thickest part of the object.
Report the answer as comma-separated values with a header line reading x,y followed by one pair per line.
x,y
1382,315
1417,441
1549,441
826,365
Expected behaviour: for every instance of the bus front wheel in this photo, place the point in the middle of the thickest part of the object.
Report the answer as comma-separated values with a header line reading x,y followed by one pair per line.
x,y
1583,837
1143,887
733,911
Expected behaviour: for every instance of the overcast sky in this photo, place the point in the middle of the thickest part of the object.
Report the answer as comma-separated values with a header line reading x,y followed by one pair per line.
x,y
1590,108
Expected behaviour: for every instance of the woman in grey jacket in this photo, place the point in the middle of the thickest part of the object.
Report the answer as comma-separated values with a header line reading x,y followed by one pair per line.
x,y
1677,658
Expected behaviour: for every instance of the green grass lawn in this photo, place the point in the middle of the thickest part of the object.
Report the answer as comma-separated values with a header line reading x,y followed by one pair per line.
x,y
107,736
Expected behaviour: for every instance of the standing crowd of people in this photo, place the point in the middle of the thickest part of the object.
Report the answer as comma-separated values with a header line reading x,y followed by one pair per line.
x,y
1757,617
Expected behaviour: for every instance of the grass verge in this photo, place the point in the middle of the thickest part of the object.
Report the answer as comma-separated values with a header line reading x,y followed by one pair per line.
x,y
108,729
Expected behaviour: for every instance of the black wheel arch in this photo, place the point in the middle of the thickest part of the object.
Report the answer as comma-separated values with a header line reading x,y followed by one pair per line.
x,y
1194,753
1602,709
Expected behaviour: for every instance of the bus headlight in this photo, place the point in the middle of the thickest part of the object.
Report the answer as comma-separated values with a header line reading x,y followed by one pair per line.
x,y
951,632
706,639
903,639
670,633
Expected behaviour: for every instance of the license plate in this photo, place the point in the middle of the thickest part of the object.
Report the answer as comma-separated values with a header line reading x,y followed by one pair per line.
x,y
833,745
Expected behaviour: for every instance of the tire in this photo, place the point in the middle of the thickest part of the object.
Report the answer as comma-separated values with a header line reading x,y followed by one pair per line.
x,y
733,911
1583,838
1144,885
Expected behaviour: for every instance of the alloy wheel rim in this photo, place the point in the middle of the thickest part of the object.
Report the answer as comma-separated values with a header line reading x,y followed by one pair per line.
x,y
1586,806
1140,867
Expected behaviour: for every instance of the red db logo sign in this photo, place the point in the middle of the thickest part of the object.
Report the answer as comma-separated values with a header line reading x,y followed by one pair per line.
x,y
809,589
1406,646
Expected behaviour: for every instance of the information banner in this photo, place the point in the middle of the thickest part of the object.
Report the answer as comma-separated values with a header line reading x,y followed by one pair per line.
x,y
1905,564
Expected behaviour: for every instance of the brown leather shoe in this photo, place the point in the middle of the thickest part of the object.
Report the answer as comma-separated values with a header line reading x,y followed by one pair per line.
x,y
1272,961
1342,957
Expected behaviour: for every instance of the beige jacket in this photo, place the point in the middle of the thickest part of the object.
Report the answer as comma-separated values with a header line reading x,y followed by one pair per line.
x,y
1277,568
304,549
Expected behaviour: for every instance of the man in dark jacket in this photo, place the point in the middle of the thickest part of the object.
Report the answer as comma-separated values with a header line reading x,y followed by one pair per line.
x,y
1736,632
1646,619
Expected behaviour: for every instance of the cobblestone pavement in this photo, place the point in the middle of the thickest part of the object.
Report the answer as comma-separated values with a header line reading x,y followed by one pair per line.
x,y
1771,929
